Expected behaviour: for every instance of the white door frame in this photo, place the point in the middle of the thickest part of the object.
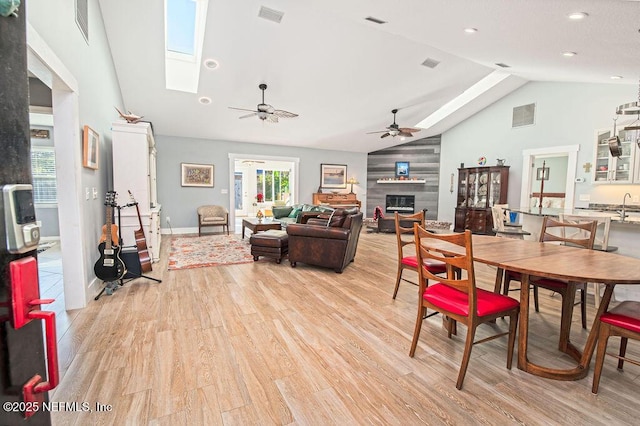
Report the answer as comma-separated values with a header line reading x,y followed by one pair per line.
x,y
528,157
293,183
45,65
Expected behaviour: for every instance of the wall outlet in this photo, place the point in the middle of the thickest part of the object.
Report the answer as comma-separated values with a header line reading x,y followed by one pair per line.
x,y
585,197
168,220
87,194
224,191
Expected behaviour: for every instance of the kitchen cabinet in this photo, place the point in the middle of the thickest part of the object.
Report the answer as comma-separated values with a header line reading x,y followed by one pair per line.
x,y
479,188
609,169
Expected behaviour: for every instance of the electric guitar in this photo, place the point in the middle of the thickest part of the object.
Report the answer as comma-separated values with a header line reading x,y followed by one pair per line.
x,y
141,241
109,267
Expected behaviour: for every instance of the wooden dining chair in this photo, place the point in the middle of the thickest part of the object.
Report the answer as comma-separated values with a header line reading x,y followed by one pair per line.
x,y
575,234
501,229
623,321
456,296
406,255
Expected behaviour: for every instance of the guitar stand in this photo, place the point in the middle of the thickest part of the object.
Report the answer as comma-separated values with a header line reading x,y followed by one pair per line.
x,y
112,286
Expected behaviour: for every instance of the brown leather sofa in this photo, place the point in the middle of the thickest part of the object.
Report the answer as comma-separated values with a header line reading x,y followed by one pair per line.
x,y
328,244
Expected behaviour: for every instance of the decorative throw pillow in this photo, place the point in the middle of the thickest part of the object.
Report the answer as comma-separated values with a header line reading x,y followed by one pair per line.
x,y
294,213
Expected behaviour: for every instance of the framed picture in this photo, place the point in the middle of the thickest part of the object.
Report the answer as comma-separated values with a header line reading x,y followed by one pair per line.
x,y
90,148
542,173
197,175
402,169
333,175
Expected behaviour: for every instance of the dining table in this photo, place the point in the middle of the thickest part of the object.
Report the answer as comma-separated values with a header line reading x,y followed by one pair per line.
x,y
570,264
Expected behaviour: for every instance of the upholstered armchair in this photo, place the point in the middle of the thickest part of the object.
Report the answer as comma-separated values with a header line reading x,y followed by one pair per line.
x,y
213,216
329,240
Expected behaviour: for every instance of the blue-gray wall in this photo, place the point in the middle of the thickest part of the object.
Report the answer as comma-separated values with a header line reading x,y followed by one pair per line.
x,y
180,202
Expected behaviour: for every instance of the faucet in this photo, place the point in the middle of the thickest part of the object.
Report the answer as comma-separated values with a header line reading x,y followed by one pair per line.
x,y
623,214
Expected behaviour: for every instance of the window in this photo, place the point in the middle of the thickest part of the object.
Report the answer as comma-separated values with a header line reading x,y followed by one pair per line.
x,y
273,184
43,169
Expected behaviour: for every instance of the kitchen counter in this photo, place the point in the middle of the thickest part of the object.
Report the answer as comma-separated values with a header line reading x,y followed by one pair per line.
x,y
633,214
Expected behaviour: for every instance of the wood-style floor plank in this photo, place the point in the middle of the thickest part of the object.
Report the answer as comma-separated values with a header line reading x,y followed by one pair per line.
x,y
264,343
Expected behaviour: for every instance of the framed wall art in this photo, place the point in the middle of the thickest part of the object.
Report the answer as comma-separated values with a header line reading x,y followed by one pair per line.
x,y
402,169
90,148
333,175
542,173
197,175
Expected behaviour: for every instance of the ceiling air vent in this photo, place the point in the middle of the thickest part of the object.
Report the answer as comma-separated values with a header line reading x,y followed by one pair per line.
x,y
430,63
375,20
271,14
82,17
523,115
503,65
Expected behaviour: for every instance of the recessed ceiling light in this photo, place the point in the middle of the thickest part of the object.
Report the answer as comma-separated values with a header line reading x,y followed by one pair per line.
x,y
470,30
210,64
205,100
569,54
577,16
616,77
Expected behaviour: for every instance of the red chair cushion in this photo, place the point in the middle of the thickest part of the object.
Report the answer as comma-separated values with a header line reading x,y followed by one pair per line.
x,y
456,301
626,315
433,266
550,284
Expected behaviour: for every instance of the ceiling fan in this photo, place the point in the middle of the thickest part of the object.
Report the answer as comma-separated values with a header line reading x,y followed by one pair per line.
x,y
395,130
266,111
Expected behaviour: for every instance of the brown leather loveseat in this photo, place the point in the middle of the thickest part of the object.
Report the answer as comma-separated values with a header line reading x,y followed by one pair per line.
x,y
329,240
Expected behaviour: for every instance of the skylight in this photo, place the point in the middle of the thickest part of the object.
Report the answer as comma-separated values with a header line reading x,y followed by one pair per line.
x,y
185,22
181,26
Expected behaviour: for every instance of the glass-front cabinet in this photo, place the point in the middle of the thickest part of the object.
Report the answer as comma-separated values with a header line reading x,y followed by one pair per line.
x,y
610,169
479,188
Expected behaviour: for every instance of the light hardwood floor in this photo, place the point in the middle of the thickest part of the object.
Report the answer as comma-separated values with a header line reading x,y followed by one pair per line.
x,y
263,343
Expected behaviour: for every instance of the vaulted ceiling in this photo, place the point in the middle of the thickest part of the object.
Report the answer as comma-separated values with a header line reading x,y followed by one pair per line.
x,y
344,74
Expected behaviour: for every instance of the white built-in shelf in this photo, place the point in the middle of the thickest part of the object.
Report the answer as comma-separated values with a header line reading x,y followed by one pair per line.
x,y
401,181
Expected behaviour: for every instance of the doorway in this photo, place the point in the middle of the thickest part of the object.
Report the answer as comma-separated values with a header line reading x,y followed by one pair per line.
x,y
44,64
261,174
564,157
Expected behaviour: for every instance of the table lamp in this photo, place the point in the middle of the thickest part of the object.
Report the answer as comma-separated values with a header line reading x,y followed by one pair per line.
x,y
352,181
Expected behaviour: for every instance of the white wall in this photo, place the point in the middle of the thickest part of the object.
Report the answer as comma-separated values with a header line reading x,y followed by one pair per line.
x,y
566,114
180,203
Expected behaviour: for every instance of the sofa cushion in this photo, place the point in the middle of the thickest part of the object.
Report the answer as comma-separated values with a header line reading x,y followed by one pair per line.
x,y
281,211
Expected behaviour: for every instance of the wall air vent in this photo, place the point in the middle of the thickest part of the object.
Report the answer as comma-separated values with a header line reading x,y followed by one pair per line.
x,y
82,17
430,63
270,14
503,65
523,115
375,20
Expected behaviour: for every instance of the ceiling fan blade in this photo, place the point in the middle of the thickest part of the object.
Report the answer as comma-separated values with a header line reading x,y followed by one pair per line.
x,y
249,115
372,133
243,109
409,130
272,118
385,135
283,114
405,134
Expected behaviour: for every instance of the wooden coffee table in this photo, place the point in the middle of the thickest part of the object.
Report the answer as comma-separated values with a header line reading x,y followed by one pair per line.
x,y
256,225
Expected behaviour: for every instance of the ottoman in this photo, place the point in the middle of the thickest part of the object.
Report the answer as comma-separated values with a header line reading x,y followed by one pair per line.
x,y
272,243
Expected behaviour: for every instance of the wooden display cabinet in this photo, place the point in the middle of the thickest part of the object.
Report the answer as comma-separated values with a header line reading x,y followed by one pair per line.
x,y
479,188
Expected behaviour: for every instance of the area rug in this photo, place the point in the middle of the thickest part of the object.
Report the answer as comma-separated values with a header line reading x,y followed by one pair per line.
x,y
210,250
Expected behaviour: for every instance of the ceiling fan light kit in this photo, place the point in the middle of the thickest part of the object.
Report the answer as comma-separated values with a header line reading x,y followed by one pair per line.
x,y
395,130
265,112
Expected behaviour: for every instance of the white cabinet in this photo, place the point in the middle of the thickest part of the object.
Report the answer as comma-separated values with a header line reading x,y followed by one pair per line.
x,y
134,169
610,169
